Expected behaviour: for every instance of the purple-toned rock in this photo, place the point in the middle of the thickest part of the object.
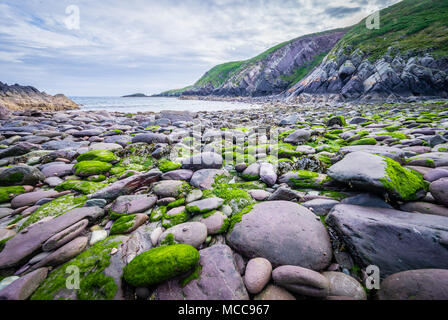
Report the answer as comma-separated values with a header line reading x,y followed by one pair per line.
x,y
65,236
29,199
57,170
259,194
192,233
302,281
23,288
133,204
150,138
439,190
436,174
64,253
425,207
284,233
393,240
205,178
216,223
273,292
127,186
218,279
344,286
267,173
423,284
204,160
30,240
181,174
257,275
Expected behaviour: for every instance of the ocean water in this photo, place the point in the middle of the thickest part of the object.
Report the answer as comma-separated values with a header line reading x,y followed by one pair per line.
x,y
155,104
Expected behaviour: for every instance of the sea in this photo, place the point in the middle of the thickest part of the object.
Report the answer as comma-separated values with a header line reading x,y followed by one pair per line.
x,y
155,104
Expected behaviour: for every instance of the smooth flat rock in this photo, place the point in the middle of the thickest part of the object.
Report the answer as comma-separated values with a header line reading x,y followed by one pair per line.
x,y
390,239
29,240
30,198
23,288
423,284
127,186
284,233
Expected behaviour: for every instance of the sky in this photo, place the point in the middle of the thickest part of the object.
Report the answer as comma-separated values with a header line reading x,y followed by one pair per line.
x,y
121,47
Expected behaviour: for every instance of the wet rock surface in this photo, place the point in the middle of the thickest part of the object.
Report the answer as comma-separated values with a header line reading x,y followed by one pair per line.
x,y
280,202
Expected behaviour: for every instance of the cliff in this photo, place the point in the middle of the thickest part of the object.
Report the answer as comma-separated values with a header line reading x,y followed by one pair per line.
x,y
17,97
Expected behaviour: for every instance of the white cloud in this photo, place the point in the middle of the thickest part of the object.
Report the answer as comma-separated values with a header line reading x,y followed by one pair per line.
x,y
142,35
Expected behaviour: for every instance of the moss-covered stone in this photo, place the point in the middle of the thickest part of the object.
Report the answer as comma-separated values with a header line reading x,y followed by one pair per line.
x,y
177,203
307,179
169,221
233,196
167,165
55,208
157,214
363,142
85,187
396,135
90,168
401,182
123,224
7,193
97,155
160,264
94,284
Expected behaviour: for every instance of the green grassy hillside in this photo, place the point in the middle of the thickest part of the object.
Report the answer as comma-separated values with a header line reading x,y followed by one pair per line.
x,y
408,25
219,74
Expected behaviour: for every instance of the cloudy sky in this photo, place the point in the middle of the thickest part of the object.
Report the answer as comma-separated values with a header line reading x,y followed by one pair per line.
x,y
122,47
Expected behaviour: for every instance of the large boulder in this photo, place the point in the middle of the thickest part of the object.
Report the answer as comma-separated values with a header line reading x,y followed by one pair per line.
x,y
390,239
284,233
391,152
217,278
423,284
20,175
374,173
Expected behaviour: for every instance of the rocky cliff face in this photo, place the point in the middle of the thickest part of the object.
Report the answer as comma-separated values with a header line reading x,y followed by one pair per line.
x,y
272,72
390,77
17,97
407,56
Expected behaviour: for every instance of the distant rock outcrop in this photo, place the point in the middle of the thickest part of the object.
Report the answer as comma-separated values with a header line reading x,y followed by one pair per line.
x,y
17,97
136,95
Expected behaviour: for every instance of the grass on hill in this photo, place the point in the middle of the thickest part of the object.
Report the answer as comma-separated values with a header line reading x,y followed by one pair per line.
x,y
407,25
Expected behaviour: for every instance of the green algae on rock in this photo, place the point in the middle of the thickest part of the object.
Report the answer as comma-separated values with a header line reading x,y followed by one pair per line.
x,y
364,142
7,193
167,165
304,179
94,284
97,155
160,264
123,224
55,208
90,168
85,187
403,182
